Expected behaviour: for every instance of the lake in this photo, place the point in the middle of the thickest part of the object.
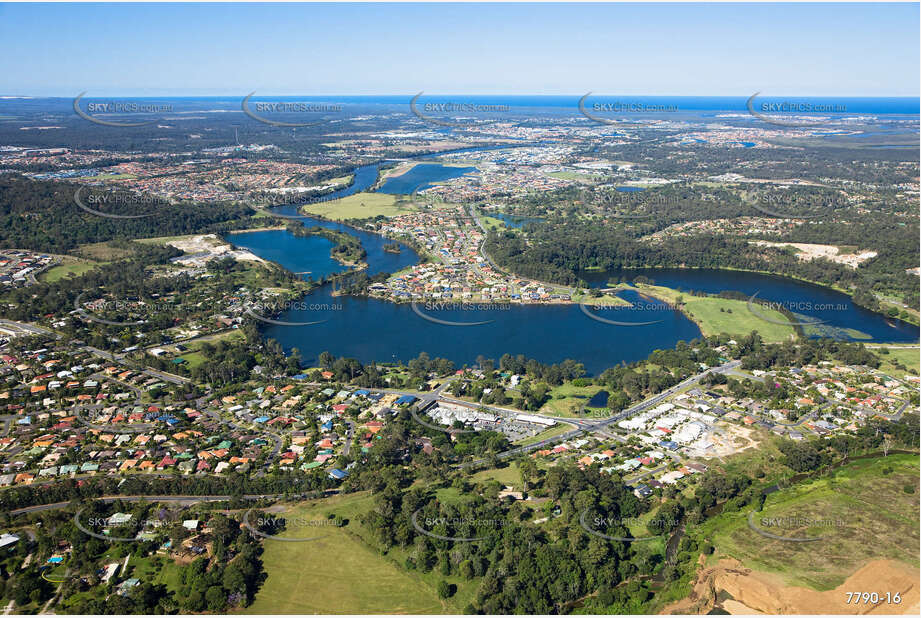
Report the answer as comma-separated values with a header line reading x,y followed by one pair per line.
x,y
371,329
813,302
376,330
513,221
422,176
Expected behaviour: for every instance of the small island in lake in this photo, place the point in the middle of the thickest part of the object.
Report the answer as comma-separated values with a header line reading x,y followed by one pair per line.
x,y
392,247
346,249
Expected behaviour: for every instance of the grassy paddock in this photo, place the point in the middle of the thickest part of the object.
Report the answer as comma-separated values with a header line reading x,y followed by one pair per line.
x,y
343,572
507,476
909,357
361,206
722,315
567,399
69,268
861,513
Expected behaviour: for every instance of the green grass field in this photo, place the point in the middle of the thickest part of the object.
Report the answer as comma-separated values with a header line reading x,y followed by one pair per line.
x,y
909,357
344,572
861,513
578,176
341,180
102,251
194,357
493,223
566,400
507,476
116,176
361,206
720,315
65,270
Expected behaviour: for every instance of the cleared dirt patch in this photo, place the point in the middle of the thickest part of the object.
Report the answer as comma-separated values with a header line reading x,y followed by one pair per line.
x,y
732,587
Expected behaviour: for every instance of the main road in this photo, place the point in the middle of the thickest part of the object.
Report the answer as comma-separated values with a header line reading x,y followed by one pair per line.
x,y
584,426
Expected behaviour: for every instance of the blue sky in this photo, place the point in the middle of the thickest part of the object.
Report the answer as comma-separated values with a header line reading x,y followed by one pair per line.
x,y
656,49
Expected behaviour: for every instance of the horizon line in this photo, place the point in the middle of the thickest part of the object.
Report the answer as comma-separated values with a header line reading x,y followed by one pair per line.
x,y
138,94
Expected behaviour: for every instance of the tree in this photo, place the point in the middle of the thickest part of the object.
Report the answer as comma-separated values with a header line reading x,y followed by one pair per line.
x,y
216,598
445,590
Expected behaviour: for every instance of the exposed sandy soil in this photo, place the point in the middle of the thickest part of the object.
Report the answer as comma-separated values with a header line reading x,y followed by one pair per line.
x,y
754,592
727,439
808,252
213,246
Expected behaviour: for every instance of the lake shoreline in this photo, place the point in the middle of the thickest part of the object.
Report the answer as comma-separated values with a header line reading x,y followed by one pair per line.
x,y
847,292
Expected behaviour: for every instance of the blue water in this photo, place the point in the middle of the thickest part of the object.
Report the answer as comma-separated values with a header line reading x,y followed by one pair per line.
x,y
631,189
513,221
422,176
805,299
364,177
308,256
311,253
377,330
599,400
